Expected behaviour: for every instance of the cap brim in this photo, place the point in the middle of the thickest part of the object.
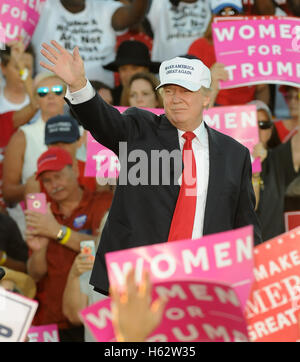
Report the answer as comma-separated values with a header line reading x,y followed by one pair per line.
x,y
190,86
53,168
227,5
114,66
60,140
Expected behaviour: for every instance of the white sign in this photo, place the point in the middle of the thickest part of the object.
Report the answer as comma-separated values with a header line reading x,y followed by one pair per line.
x,y
16,315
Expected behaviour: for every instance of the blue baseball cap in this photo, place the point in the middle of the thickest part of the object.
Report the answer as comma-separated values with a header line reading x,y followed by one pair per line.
x,y
61,128
218,5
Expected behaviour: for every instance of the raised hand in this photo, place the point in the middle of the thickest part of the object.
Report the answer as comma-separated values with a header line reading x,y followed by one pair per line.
x,y
135,316
69,67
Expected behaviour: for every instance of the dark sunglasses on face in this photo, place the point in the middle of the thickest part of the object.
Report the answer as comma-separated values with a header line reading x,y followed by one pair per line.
x,y
57,89
265,125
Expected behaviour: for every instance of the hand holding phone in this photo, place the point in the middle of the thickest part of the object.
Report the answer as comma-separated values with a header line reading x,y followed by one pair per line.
x,y
88,247
37,202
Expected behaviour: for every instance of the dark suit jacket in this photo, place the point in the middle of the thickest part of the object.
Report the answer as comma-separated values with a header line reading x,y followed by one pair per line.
x,y
142,214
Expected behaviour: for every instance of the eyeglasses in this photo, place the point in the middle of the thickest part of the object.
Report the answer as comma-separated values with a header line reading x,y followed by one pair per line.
x,y
57,89
265,125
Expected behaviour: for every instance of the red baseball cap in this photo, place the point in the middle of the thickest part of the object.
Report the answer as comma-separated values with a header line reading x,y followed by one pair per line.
x,y
55,159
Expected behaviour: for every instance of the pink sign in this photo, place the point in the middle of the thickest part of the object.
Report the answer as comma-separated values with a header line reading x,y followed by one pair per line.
x,y
196,311
20,18
102,162
47,333
258,50
238,122
273,307
225,257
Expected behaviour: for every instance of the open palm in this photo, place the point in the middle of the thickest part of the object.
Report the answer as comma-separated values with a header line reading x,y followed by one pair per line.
x,y
69,67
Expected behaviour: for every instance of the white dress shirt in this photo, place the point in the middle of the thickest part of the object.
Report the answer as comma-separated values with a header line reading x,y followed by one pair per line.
x,y
200,147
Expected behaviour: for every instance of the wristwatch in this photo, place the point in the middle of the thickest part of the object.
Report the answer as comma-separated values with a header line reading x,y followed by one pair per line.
x,y
62,233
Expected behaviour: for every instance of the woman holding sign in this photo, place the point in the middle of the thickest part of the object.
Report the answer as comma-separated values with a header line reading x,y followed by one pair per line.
x,y
280,166
203,48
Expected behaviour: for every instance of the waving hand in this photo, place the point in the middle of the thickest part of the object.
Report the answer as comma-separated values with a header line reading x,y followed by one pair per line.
x,y
69,67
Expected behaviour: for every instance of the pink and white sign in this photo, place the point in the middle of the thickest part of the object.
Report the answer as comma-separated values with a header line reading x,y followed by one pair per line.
x,y
225,257
238,122
258,50
273,307
102,162
196,311
20,18
48,333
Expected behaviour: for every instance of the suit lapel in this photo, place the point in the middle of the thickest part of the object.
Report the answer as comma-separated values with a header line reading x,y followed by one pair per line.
x,y
216,176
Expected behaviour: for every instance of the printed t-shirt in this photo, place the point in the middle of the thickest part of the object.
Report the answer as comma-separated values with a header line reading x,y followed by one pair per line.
x,y
175,28
91,30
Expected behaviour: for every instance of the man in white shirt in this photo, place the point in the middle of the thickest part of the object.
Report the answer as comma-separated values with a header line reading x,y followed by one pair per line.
x,y
91,25
153,204
176,24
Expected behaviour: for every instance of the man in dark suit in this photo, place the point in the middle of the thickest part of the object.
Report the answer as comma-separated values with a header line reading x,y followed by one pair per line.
x,y
149,205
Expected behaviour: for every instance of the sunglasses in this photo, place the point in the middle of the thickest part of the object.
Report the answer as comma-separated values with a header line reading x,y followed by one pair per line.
x,y
232,12
265,125
57,89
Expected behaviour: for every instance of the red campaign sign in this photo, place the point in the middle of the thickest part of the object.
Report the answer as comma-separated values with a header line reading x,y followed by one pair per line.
x,y
292,220
273,309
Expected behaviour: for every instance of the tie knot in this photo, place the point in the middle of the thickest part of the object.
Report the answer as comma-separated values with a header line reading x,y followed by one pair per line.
x,y
189,136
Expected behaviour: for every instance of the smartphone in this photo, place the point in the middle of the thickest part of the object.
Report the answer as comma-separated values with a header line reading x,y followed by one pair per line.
x,y
88,247
37,202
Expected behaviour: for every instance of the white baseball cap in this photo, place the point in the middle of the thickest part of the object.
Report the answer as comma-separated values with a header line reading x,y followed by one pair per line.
x,y
218,5
191,74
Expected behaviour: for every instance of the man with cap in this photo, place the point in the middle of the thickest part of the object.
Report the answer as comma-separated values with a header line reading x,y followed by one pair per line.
x,y
149,205
132,57
63,131
74,215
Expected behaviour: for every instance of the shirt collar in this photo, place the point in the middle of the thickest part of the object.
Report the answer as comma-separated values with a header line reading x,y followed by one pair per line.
x,y
200,133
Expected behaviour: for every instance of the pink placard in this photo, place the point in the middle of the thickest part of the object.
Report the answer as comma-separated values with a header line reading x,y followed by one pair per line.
x,y
102,162
258,50
48,333
273,308
225,257
196,311
20,18
238,122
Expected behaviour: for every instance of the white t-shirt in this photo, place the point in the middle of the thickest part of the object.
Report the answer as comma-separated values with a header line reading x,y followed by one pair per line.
x,y
93,297
176,28
90,30
35,145
7,106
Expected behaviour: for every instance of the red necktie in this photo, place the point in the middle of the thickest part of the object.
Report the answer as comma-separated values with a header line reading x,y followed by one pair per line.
x,y
184,214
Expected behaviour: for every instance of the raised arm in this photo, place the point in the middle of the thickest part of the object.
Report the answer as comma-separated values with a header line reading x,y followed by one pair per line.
x,y
105,122
129,15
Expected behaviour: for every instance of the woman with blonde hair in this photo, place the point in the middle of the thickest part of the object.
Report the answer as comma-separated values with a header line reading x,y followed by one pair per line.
x,y
141,92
